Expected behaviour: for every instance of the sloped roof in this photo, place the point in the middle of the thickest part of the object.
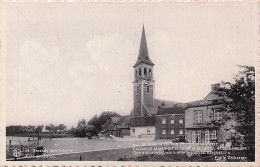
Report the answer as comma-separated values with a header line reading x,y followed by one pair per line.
x,y
143,56
124,120
172,110
151,109
165,103
115,119
213,95
143,121
193,103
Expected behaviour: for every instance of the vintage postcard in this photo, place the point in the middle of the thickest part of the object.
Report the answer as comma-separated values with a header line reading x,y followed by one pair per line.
x,y
129,83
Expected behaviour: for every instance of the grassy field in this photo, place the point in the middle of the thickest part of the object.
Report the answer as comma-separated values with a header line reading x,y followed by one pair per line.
x,y
44,135
108,155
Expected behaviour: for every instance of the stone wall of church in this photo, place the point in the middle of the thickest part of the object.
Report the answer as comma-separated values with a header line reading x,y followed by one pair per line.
x,y
148,96
137,101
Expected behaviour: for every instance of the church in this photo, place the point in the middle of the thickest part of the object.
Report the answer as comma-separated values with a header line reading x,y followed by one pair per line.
x,y
142,119
144,85
152,118
145,107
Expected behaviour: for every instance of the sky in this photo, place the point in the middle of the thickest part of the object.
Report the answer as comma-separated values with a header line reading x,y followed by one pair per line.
x,y
68,62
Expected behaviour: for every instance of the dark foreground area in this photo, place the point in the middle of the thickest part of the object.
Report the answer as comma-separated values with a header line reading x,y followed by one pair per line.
x,y
126,154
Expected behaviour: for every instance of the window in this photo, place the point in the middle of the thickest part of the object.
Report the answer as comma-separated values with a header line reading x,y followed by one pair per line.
x,y
148,130
147,89
207,136
193,137
164,131
213,135
137,89
198,117
163,121
180,132
217,115
145,72
215,101
172,121
180,121
172,132
196,137
139,71
136,73
150,72
133,130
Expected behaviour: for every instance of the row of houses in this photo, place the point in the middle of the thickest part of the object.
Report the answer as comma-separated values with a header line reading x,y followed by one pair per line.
x,y
203,121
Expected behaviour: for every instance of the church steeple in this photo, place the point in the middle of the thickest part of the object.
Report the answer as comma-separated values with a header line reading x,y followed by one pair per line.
x,y
144,82
143,56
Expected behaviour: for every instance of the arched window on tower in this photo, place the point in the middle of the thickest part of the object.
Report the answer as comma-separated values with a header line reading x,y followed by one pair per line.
x,y
137,89
136,74
145,72
150,72
139,71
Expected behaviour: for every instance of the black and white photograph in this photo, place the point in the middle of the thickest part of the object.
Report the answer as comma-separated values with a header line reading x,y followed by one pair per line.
x,y
129,82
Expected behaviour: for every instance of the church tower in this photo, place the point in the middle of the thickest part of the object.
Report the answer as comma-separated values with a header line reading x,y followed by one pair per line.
x,y
144,81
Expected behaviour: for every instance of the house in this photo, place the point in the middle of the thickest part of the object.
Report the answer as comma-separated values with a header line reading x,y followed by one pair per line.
x,y
110,127
170,123
118,126
143,127
123,126
209,121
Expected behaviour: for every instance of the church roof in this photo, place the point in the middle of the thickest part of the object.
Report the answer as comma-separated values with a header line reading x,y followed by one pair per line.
x,y
172,110
151,109
165,103
143,56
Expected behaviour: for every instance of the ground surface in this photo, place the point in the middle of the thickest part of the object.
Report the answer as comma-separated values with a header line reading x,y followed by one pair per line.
x,y
109,155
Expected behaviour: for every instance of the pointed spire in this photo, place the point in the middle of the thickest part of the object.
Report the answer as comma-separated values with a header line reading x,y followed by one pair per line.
x,y
143,56
143,50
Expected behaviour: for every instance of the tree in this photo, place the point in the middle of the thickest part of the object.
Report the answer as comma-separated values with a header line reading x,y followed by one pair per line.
x,y
50,128
242,95
83,121
97,122
39,129
61,127
82,129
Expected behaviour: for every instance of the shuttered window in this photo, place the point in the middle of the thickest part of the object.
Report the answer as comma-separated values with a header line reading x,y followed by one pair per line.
x,y
207,136
198,117
193,137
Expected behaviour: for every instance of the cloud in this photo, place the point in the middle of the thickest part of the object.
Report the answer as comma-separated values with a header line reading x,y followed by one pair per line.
x,y
111,53
112,77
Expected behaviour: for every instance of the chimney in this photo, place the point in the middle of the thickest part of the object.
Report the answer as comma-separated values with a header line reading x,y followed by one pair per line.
x,y
215,87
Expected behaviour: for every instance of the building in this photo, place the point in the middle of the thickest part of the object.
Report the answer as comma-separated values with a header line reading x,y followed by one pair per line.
x,y
145,106
209,121
124,125
170,123
143,82
117,126
143,127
